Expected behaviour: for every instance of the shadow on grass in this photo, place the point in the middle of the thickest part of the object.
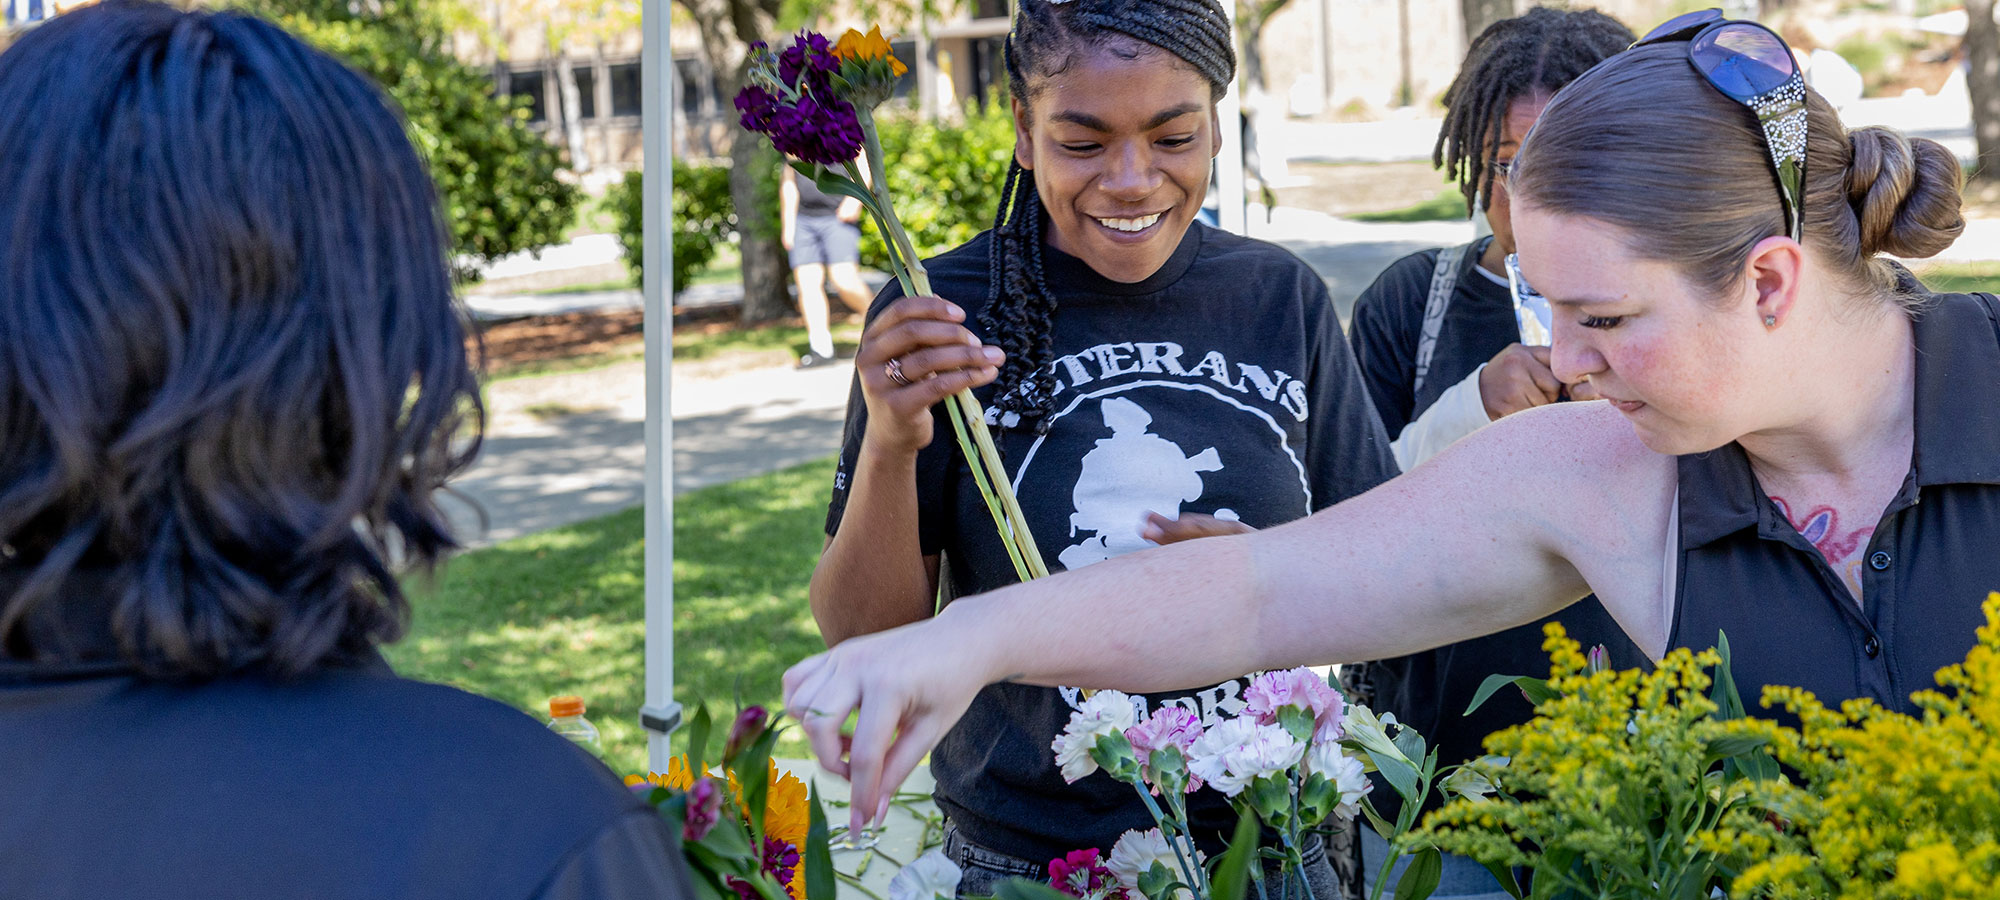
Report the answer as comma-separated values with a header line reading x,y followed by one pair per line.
x,y
563,612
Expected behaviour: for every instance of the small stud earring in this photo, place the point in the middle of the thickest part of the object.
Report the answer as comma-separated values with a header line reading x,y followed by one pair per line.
x,y
1770,321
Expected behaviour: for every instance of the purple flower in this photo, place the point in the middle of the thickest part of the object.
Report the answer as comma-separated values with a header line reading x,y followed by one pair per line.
x,y
758,107
810,55
828,134
1303,688
781,861
1169,725
749,724
704,809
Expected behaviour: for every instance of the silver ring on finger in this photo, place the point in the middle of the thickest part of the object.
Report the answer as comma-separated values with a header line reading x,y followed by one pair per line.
x,y
894,369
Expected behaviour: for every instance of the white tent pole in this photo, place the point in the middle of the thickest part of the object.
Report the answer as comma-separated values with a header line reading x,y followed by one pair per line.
x,y
1229,163
660,715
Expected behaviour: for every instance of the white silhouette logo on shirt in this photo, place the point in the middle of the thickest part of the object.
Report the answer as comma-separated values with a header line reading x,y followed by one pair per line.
x,y
1125,476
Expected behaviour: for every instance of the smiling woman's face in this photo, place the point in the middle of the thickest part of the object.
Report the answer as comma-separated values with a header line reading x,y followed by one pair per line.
x,y
1120,143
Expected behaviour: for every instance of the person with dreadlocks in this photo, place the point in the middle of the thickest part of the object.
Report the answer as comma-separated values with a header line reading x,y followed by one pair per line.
x,y
1441,351
1151,379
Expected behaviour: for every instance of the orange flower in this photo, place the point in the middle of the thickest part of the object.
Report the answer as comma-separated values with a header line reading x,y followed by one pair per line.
x,y
787,807
866,47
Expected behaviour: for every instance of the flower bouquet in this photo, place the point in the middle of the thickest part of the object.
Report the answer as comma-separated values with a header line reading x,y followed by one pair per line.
x,y
1295,759
747,832
815,100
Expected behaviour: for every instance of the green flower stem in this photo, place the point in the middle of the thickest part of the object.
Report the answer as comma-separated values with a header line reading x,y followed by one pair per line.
x,y
968,416
1173,840
856,884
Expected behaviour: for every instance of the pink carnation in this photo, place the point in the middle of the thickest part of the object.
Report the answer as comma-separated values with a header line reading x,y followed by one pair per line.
x,y
1303,688
1169,725
1082,873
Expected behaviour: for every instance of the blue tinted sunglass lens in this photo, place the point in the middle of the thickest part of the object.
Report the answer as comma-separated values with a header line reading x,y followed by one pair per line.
x,y
1681,23
1743,60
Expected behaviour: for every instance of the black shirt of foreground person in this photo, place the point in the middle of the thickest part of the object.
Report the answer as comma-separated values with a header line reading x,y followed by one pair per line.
x,y
346,783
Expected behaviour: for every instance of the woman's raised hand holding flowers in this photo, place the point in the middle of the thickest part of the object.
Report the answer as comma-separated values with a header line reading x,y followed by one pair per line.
x,y
925,341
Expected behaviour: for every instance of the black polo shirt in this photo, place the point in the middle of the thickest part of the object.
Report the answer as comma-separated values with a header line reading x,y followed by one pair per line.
x,y
1934,557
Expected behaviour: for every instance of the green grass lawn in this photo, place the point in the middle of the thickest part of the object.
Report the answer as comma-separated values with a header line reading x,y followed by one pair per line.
x,y
563,612
1960,277
1448,205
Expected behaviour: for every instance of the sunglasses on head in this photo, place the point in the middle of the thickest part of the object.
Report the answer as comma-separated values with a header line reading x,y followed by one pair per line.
x,y
1752,65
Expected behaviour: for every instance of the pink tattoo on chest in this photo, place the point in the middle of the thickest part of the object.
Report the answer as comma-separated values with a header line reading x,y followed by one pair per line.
x,y
1821,528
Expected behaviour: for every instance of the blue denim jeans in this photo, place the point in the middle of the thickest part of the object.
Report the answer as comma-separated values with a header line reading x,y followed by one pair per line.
x,y
984,868
1463,878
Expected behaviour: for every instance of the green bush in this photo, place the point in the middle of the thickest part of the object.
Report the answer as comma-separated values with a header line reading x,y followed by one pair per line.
x,y
944,178
704,217
495,175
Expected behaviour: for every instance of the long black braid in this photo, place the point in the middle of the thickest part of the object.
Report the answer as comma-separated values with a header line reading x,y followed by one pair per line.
x,y
1538,52
1020,307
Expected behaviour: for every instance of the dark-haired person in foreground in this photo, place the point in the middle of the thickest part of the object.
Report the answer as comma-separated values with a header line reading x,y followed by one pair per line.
x,y
1799,443
232,374
1441,352
1151,379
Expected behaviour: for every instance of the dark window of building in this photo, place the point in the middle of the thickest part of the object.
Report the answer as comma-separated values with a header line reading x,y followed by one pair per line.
x,y
990,9
989,68
586,92
906,51
691,81
625,85
528,85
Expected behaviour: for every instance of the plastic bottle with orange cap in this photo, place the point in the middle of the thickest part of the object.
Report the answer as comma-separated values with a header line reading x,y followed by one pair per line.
x,y
566,718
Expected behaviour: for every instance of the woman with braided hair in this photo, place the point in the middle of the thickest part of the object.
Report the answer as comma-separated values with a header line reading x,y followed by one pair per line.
x,y
1440,349
1798,443
1150,379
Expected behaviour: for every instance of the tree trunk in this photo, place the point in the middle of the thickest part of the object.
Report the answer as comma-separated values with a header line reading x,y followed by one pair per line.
x,y
572,108
1982,81
752,164
1481,13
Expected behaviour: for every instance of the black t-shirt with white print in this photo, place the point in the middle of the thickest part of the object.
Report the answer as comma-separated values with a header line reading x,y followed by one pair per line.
x,y
1220,385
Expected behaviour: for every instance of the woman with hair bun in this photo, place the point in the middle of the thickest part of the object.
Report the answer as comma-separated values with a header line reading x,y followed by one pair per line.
x,y
1799,444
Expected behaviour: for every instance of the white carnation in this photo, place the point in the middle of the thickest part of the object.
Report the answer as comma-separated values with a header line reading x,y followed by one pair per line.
x,y
931,876
1239,751
1137,851
1103,713
1349,777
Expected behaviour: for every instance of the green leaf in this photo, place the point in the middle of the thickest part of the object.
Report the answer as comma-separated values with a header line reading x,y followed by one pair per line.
x,y
1488,688
756,782
727,841
1401,775
1157,882
820,883
1410,742
1505,875
1537,689
1734,745
698,729
1756,764
1232,872
1420,880
1023,889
